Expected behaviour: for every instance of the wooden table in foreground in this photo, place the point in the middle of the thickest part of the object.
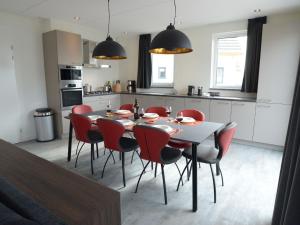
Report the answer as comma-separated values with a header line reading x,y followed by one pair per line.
x,y
71,197
194,134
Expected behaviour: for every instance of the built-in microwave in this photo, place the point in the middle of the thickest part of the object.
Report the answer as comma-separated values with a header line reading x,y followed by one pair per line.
x,y
70,76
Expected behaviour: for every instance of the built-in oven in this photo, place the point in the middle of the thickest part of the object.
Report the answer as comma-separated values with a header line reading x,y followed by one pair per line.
x,y
70,78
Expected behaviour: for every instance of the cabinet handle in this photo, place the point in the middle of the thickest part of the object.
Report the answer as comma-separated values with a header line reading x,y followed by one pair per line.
x,y
238,104
223,103
263,106
263,100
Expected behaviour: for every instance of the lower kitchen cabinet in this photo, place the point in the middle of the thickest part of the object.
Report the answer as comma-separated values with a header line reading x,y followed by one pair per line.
x,y
271,123
177,104
65,122
198,104
101,102
220,111
243,113
127,98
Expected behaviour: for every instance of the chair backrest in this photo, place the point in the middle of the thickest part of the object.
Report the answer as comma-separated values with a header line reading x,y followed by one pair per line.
x,y
151,141
161,111
127,107
81,125
111,131
196,114
82,109
224,138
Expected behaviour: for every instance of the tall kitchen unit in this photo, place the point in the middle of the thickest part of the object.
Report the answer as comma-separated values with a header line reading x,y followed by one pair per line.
x,y
61,50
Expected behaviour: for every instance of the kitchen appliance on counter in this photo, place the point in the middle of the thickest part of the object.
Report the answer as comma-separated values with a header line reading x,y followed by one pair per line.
x,y
200,91
70,78
191,90
131,86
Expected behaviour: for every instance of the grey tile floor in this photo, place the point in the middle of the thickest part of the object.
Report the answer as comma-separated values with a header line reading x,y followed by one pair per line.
x,y
250,173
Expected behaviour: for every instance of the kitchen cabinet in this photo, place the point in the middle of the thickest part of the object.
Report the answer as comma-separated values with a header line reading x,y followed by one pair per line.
x,y
198,104
150,101
177,104
69,48
127,99
278,64
243,113
220,111
101,102
65,122
271,123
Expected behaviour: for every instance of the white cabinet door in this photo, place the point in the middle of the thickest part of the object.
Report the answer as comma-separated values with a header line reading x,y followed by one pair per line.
x,y
127,99
198,104
278,63
177,104
220,111
114,101
271,123
65,122
243,114
150,101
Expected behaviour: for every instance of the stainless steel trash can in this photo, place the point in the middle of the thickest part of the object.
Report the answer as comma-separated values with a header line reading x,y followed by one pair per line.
x,y
44,124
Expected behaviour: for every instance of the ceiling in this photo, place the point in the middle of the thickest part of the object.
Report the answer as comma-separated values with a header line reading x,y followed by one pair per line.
x,y
139,16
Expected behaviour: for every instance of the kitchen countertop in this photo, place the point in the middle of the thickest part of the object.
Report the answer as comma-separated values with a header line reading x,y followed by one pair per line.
x,y
228,98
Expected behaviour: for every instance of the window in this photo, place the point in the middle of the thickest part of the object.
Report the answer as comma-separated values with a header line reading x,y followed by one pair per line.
x,y
229,54
162,70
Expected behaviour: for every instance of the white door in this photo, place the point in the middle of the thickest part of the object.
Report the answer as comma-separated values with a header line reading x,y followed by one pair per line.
x,y
220,111
243,114
9,113
199,104
271,123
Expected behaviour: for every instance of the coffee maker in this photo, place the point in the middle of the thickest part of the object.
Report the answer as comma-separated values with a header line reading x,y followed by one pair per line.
x,y
191,89
131,86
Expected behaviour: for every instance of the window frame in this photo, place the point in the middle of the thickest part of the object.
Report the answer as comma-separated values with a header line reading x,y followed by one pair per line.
x,y
162,85
216,36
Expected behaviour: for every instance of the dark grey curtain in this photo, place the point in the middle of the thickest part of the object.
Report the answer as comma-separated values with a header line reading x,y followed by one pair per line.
x,y
254,36
144,63
287,205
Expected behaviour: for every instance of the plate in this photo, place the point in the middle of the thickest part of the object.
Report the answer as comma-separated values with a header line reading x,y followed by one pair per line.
x,y
126,122
94,117
188,120
122,111
150,115
166,128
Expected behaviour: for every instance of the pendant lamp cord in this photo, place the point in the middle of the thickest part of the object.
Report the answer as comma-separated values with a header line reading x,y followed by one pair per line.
x,y
175,13
108,8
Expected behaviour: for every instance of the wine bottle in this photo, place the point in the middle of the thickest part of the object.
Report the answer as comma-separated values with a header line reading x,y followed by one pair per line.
x,y
136,110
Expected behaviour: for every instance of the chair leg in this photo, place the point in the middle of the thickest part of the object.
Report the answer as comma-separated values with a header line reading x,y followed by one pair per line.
x,y
179,172
151,165
185,168
221,175
97,149
164,184
92,158
105,164
217,169
104,151
155,170
137,185
132,157
214,182
123,168
78,154
136,151
188,171
77,147
120,155
112,154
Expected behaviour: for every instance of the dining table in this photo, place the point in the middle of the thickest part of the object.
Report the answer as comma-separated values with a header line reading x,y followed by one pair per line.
x,y
193,133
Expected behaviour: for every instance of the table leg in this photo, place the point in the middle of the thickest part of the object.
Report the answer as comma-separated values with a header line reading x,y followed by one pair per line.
x,y
195,180
70,141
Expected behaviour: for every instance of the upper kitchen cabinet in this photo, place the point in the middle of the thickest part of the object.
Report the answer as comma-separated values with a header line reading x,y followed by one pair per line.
x,y
278,63
64,47
198,104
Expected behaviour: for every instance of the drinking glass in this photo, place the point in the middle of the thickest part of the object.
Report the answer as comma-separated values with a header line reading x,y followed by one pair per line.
x,y
142,112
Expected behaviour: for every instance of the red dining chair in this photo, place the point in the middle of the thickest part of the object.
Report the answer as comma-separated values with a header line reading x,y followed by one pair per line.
x,y
152,142
127,107
112,132
198,116
213,154
84,133
161,111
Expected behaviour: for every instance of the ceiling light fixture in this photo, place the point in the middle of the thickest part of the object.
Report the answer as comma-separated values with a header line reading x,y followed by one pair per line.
x,y
257,10
171,41
109,49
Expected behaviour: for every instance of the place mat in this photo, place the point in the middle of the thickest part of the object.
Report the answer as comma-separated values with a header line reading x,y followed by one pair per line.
x,y
185,123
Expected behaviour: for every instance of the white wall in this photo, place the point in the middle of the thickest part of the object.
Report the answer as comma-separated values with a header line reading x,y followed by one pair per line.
x,y
195,68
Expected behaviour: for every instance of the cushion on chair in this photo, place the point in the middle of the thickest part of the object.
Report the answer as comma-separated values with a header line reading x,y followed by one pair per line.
x,y
10,217
169,155
205,154
179,144
128,144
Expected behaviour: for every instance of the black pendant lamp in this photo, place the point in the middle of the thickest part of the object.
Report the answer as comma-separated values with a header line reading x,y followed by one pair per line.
x,y
109,49
171,41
